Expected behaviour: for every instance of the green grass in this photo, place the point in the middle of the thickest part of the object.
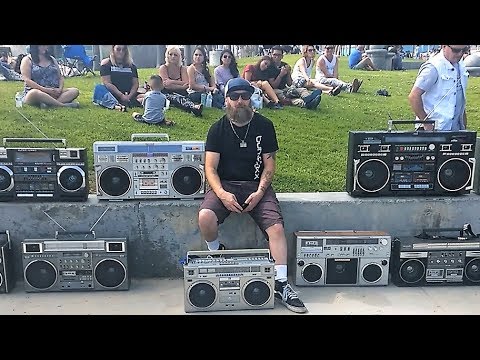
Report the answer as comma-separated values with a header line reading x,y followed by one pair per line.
x,y
313,144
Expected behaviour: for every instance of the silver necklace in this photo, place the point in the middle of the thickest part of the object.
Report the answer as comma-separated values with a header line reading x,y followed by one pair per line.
x,y
243,143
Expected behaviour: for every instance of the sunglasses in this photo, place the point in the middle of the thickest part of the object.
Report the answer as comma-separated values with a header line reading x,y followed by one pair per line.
x,y
329,48
227,56
235,96
276,54
311,50
457,50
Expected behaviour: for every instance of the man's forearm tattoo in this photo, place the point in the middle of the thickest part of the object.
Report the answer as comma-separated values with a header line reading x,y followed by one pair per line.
x,y
266,180
272,155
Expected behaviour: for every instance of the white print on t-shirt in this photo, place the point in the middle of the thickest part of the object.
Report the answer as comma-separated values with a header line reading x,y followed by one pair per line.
x,y
258,163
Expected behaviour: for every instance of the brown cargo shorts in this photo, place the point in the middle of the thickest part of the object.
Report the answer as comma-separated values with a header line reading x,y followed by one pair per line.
x,y
265,214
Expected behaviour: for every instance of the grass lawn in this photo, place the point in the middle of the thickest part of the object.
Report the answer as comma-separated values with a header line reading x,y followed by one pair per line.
x,y
313,144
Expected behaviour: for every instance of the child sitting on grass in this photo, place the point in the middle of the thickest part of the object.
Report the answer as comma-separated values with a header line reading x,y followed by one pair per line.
x,y
154,104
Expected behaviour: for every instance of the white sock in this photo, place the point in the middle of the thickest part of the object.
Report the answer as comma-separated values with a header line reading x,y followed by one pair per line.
x,y
281,272
213,245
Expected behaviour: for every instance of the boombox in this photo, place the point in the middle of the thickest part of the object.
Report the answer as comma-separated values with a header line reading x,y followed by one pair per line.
x,y
149,170
40,174
334,258
384,163
433,259
78,263
229,280
6,275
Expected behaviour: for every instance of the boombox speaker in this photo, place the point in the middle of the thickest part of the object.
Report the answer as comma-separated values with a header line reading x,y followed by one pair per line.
x,y
76,264
42,174
6,269
149,169
229,280
384,163
436,257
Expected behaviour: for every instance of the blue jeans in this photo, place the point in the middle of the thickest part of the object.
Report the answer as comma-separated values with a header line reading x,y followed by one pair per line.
x,y
103,97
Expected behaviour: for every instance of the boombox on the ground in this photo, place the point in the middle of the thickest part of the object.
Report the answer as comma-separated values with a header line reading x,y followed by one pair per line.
x,y
73,262
334,258
384,163
149,169
436,257
229,280
40,174
6,276
476,178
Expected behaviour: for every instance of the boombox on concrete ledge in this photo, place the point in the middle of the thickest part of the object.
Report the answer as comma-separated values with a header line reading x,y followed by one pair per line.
x,y
72,262
149,169
42,174
384,163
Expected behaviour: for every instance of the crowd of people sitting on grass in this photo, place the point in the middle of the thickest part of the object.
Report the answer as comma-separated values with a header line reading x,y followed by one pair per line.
x,y
189,88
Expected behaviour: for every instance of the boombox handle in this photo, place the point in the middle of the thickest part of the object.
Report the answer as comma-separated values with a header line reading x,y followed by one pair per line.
x,y
392,122
465,232
64,233
35,140
151,135
6,232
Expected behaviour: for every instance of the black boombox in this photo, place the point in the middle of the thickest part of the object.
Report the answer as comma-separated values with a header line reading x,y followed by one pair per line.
x,y
385,163
41,174
436,257
6,276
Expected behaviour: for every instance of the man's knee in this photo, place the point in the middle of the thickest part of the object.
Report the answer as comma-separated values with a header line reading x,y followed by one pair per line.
x,y
275,231
207,217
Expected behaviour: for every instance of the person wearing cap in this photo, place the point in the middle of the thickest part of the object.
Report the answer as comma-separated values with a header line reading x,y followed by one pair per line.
x,y
326,71
240,154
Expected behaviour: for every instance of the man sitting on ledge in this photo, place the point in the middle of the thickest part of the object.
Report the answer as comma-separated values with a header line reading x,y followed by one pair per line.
x,y
239,166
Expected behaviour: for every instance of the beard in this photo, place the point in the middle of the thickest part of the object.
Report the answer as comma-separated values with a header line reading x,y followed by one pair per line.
x,y
241,114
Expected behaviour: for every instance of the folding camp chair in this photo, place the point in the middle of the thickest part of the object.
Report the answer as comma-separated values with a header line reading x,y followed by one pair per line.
x,y
75,61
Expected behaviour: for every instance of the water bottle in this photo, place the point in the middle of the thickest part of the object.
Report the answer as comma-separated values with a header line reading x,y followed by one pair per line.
x,y
18,100
203,99
167,106
208,101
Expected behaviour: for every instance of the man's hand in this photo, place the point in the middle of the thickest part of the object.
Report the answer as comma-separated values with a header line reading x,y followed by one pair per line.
x,y
253,200
230,202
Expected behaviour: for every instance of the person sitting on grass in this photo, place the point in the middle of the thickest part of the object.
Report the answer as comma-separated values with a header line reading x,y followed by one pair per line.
x,y
44,81
154,104
359,60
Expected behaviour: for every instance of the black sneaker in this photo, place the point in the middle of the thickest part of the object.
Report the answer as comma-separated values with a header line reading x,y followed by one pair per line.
x,y
289,297
220,247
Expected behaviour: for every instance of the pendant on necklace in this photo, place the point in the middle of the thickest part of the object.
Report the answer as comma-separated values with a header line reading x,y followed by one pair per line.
x,y
243,144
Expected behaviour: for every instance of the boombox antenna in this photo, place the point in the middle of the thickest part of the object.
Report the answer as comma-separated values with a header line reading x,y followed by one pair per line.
x,y
40,131
96,222
91,229
60,226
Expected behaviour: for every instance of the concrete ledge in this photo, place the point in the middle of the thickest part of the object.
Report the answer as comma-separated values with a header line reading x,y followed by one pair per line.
x,y
161,232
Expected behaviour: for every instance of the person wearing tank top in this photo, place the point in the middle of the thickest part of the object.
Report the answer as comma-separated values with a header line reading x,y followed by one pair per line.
x,y
44,82
201,81
175,81
302,73
326,71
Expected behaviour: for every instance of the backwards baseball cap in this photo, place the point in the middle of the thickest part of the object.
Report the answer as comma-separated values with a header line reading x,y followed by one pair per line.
x,y
238,84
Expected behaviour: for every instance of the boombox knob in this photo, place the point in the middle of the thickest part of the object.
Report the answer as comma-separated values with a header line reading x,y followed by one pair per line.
x,y
301,263
384,262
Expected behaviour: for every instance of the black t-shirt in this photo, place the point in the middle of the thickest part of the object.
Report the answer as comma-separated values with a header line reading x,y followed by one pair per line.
x,y
121,77
274,70
242,163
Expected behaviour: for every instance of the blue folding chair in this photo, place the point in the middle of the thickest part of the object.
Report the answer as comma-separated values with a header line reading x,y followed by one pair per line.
x,y
75,61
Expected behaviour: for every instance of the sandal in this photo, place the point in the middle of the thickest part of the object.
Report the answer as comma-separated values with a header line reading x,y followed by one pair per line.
x,y
167,123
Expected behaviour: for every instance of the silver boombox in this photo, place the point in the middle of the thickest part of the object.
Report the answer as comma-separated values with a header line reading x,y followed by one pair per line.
x,y
229,280
342,258
149,169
